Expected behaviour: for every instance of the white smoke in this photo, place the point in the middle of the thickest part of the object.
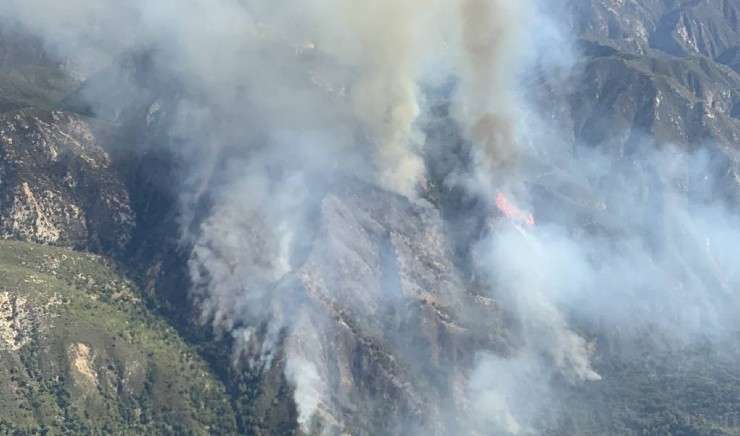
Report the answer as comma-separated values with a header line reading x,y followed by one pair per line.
x,y
276,99
280,99
624,246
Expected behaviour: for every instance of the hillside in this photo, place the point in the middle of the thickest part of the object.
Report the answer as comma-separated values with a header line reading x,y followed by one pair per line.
x,y
80,353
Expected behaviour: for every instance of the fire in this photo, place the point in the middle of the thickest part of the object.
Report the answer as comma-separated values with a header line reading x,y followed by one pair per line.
x,y
512,212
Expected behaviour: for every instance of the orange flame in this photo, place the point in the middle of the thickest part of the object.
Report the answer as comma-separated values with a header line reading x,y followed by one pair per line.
x,y
512,212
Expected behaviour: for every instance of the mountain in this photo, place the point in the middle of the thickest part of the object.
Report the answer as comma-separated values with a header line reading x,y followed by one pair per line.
x,y
81,353
114,281
655,68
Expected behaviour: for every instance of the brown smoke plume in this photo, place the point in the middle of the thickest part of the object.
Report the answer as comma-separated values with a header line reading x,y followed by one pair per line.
x,y
392,39
385,97
491,35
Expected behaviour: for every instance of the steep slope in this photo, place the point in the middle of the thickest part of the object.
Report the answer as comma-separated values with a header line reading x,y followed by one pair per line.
x,y
415,337
59,186
81,354
706,28
681,101
653,69
631,93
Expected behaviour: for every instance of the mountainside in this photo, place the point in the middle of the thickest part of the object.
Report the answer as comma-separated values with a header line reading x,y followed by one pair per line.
x,y
81,354
59,187
635,83
239,268
677,27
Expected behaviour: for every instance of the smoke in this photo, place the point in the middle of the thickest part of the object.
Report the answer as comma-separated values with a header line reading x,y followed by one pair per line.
x,y
375,53
660,258
266,105
627,250
390,38
271,105
648,262
384,45
492,42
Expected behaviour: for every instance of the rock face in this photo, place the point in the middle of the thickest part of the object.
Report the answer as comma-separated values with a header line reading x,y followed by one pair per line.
x,y
640,78
679,101
632,85
57,182
394,310
678,27
58,186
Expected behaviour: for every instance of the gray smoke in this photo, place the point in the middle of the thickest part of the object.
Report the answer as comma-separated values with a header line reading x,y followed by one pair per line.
x,y
279,101
626,248
275,101
659,268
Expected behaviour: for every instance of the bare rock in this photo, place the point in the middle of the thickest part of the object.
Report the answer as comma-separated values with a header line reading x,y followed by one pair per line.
x,y
57,184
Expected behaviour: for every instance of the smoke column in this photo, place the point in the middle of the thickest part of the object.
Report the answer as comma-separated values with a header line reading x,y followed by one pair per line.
x,y
492,45
385,98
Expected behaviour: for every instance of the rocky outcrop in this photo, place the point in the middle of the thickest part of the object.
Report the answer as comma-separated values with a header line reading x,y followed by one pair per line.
x,y
640,85
58,184
653,69
21,322
622,99
706,28
389,313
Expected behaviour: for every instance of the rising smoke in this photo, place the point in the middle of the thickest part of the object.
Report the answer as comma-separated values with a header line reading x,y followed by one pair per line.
x,y
277,102
492,38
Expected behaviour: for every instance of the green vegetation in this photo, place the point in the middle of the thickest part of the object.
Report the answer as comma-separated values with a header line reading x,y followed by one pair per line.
x,y
80,354
692,391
